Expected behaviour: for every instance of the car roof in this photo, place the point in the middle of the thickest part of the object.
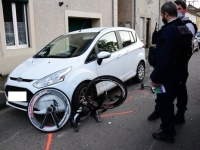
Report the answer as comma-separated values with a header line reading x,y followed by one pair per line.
x,y
99,29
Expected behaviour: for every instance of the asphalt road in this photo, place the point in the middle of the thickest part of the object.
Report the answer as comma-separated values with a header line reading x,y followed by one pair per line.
x,y
124,128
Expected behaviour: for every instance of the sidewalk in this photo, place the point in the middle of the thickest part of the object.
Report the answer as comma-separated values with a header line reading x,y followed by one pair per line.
x,y
2,94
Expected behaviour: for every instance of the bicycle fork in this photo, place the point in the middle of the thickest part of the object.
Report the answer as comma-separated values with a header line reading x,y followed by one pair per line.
x,y
94,112
75,118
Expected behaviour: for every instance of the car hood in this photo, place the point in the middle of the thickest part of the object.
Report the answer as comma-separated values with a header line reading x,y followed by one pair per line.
x,y
37,68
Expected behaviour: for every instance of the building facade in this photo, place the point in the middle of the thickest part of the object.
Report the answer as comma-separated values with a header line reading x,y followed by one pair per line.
x,y
194,15
26,26
142,16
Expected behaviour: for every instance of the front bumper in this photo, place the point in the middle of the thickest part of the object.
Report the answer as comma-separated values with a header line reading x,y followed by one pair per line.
x,y
12,85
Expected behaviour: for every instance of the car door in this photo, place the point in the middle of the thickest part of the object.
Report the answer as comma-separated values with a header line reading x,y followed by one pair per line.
x,y
132,51
114,65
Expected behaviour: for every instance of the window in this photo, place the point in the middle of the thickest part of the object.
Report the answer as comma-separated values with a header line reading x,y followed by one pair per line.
x,y
198,34
108,43
67,46
133,40
92,56
127,38
15,23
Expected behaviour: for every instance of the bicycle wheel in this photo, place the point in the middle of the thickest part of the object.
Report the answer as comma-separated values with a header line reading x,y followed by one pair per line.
x,y
49,110
105,92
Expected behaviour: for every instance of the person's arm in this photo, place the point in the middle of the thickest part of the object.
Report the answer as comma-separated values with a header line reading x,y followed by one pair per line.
x,y
191,28
164,50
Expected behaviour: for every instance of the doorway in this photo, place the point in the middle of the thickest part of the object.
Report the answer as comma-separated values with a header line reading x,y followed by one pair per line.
x,y
79,23
147,32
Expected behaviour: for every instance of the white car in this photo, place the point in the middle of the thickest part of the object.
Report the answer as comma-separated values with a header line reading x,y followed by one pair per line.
x,y
198,37
72,60
195,44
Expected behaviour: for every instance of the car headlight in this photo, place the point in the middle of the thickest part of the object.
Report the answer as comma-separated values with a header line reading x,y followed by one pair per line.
x,y
52,78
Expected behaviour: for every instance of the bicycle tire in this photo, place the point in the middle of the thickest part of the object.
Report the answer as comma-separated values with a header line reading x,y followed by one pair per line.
x,y
95,94
49,110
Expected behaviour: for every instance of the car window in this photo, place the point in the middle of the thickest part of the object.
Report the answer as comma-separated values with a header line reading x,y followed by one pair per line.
x,y
92,56
132,38
108,42
67,46
198,34
127,38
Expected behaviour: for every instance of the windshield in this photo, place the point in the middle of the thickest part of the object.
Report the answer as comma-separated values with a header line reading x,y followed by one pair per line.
x,y
67,46
198,34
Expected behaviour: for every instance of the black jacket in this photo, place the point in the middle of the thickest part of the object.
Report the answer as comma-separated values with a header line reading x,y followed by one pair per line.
x,y
171,39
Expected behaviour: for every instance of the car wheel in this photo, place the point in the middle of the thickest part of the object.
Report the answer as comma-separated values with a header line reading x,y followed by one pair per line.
x,y
78,99
140,73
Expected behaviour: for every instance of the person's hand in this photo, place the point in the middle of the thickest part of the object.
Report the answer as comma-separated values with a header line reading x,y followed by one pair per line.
x,y
154,84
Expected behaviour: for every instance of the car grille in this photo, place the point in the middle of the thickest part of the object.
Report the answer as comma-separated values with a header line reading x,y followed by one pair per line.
x,y
21,80
15,89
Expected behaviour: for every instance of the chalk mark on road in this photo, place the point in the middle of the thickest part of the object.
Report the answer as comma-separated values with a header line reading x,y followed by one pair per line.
x,y
114,114
128,99
49,140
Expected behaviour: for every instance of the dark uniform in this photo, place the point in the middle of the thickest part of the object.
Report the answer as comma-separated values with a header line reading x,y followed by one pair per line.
x,y
173,50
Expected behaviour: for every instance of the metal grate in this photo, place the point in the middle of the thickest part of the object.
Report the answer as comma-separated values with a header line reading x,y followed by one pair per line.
x,y
21,80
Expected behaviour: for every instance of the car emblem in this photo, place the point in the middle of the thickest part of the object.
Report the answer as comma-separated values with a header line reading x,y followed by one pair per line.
x,y
19,79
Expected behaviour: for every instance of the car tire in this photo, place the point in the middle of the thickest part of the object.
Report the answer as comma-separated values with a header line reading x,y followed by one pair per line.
x,y
79,98
140,73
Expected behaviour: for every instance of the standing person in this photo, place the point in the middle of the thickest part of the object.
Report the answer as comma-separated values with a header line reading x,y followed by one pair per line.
x,y
172,48
182,9
182,96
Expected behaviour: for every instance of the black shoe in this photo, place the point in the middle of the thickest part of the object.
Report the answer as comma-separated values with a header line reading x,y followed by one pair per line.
x,y
179,119
164,137
153,116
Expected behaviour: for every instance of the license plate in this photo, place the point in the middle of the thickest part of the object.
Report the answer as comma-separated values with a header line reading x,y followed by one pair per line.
x,y
17,96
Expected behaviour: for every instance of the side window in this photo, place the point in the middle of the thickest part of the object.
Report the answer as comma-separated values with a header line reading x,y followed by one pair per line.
x,y
132,38
15,23
92,56
135,37
126,38
108,42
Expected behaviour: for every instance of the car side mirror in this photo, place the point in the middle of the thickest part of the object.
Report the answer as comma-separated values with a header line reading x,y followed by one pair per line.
x,y
102,55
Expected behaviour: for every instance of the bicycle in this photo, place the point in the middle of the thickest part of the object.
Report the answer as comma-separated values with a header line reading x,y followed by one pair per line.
x,y
102,93
49,109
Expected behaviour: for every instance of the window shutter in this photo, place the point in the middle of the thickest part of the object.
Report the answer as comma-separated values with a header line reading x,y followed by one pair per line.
x,y
16,1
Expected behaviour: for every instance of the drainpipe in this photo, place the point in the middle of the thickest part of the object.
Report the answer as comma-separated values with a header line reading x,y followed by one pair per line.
x,y
113,13
134,13
159,15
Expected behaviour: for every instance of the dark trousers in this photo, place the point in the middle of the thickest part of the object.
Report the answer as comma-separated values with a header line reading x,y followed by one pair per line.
x,y
164,102
181,95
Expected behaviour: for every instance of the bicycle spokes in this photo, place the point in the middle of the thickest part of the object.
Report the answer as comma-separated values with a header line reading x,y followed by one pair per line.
x,y
49,110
